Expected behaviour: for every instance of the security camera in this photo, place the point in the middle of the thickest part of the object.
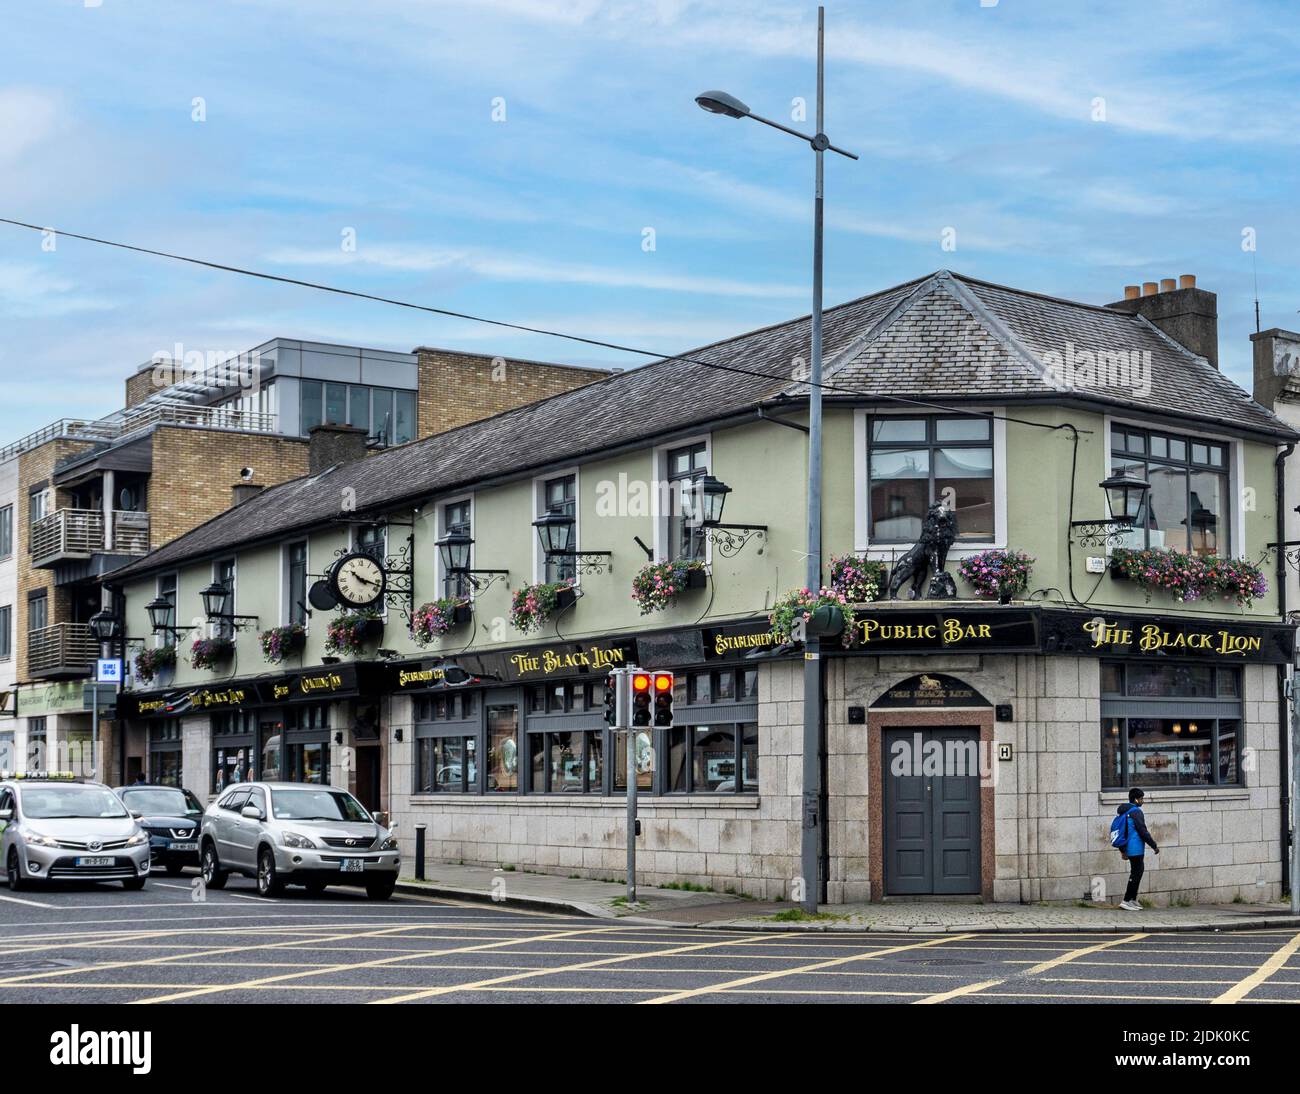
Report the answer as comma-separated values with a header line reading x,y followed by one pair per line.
x,y
246,473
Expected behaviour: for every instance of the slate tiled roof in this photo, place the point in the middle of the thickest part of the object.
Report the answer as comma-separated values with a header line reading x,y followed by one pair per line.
x,y
939,337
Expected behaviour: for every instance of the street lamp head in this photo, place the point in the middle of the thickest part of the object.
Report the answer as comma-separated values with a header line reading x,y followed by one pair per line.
x,y
712,496
160,613
454,550
1125,493
719,102
555,530
214,600
104,625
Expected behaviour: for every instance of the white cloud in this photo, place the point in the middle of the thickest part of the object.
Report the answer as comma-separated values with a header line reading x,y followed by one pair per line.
x,y
27,117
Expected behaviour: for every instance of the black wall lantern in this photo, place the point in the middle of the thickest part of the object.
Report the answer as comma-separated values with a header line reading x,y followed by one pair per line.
x,y
105,626
555,531
710,497
1125,495
214,598
160,611
454,550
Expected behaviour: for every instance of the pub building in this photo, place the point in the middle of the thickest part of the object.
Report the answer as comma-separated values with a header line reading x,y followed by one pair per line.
x,y
971,744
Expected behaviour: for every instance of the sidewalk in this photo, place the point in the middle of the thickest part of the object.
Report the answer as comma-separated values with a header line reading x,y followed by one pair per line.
x,y
679,908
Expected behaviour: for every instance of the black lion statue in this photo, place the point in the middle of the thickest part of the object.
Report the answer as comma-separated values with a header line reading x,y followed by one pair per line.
x,y
928,557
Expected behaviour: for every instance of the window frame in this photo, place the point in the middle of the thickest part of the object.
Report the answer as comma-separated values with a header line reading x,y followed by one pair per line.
x,y
287,574
540,483
441,578
888,550
663,499
6,531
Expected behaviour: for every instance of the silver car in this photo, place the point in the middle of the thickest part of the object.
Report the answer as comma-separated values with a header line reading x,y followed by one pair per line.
x,y
296,834
69,830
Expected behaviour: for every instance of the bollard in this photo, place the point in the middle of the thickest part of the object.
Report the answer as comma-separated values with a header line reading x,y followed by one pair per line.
x,y
419,852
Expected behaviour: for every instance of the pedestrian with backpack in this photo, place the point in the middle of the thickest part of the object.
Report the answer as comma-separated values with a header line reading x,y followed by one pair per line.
x,y
1129,835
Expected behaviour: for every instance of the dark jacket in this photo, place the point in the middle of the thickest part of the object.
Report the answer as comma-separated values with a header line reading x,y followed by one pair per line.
x,y
1138,836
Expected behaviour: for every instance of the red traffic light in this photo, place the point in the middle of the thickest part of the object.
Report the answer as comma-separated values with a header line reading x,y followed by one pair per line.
x,y
641,682
663,681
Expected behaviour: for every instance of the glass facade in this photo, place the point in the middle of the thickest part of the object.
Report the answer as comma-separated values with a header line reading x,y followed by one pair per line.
x,y
386,414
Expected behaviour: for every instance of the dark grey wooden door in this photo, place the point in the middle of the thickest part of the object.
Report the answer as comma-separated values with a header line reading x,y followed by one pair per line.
x,y
932,811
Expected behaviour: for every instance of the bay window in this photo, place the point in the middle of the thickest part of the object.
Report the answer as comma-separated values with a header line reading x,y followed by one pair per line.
x,y
1186,506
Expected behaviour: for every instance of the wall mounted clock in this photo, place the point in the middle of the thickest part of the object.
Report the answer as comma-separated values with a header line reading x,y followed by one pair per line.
x,y
358,580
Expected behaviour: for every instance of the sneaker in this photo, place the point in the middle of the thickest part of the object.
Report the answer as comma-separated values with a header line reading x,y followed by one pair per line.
x,y
1130,905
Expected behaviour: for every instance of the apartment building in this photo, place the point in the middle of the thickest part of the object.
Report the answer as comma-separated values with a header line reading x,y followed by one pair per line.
x,y
80,498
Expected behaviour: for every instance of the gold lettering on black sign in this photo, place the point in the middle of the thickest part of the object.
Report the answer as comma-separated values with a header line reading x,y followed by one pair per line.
x,y
1152,638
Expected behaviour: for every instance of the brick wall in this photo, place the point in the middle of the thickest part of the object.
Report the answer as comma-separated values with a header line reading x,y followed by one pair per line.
x,y
194,470
140,385
35,466
457,388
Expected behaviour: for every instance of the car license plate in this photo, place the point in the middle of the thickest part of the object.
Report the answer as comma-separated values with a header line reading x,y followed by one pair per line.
x,y
190,846
352,865
95,861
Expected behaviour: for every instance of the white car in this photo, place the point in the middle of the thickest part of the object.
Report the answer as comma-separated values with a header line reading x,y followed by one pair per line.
x,y
68,829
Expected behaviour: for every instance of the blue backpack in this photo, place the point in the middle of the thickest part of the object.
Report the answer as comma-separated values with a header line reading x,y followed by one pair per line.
x,y
1119,831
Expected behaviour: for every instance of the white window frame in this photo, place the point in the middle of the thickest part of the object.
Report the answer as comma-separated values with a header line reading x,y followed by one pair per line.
x,y
889,552
539,510
214,628
163,638
659,493
440,530
1235,466
355,545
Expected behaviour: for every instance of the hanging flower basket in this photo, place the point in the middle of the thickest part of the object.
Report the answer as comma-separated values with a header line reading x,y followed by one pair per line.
x,y
209,653
151,663
1187,577
532,605
802,604
859,579
348,633
659,584
281,642
1000,575
436,618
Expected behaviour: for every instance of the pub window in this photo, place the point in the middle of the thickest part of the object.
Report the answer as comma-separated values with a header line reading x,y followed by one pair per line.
x,y
296,574
1186,505
234,747
644,760
713,759
567,762
559,495
446,764
722,686
456,518
1168,725
503,748
914,462
167,592
686,467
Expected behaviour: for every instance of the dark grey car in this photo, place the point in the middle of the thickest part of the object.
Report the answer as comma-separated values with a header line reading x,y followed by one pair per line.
x,y
296,834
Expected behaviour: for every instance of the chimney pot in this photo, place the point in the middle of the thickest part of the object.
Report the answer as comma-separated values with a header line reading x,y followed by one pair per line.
x,y
1167,284
1187,281
1150,288
1132,292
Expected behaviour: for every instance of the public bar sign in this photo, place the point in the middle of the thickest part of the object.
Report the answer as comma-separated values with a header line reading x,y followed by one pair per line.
x,y
989,631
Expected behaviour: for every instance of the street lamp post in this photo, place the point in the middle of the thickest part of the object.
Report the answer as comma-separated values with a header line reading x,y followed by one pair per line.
x,y
719,102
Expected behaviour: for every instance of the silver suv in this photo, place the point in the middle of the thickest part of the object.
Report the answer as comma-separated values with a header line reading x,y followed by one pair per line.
x,y
296,834
68,829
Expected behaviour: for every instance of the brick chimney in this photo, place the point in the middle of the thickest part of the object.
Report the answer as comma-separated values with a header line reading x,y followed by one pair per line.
x,y
1187,314
243,491
330,445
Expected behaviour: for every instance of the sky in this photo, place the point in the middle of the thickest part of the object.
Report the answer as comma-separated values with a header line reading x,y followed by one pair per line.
x,y
545,163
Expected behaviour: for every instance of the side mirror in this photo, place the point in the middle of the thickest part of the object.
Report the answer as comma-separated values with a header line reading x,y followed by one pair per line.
x,y
135,814
381,817
251,812
6,814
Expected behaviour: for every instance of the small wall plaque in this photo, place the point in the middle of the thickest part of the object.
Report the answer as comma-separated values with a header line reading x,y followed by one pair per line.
x,y
1004,751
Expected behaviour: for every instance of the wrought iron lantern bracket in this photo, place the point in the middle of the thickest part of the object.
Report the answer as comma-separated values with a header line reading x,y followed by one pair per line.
x,y
730,539
586,562
1100,533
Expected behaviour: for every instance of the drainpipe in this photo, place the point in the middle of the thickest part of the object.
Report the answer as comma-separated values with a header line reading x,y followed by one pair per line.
x,y
1283,704
110,488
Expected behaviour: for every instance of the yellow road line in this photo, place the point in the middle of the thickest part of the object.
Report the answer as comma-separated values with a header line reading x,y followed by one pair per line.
x,y
1245,986
581,966
1033,970
816,966
215,989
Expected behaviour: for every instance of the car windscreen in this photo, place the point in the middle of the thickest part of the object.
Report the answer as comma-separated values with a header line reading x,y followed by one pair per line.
x,y
83,802
162,802
327,805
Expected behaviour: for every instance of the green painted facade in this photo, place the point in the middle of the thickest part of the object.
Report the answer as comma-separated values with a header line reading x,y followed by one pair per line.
x,y
765,465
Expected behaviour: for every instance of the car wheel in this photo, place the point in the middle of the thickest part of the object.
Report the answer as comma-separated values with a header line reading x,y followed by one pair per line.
x,y
135,884
214,877
174,868
268,879
381,888
17,883
315,888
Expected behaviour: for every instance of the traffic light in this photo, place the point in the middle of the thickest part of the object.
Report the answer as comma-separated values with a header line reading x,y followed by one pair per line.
x,y
611,700
663,689
642,686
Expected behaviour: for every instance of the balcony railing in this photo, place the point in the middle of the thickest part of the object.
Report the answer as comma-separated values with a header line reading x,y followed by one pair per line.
x,y
79,533
65,649
208,417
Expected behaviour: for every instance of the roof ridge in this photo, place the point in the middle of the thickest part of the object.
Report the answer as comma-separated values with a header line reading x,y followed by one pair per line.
x,y
1043,296
999,329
